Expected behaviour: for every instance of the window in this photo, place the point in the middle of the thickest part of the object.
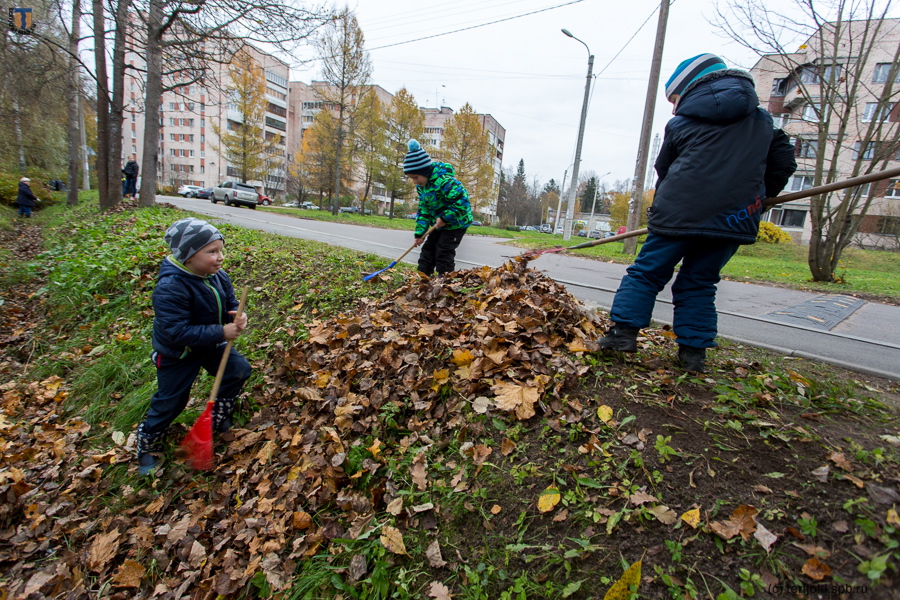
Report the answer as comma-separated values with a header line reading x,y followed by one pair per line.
x,y
800,182
276,124
313,105
888,226
173,106
811,112
134,149
133,118
779,120
172,137
308,119
785,217
867,154
133,134
173,122
202,154
881,73
807,148
172,151
202,169
191,153
817,75
893,189
202,122
874,112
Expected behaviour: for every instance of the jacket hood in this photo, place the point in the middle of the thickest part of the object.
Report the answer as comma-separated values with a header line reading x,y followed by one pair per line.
x,y
719,97
440,168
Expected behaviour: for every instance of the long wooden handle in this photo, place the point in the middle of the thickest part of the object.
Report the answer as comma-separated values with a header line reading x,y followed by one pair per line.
x,y
221,372
813,191
408,250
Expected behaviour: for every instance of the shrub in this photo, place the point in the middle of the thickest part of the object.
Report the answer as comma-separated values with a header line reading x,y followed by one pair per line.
x,y
9,188
773,234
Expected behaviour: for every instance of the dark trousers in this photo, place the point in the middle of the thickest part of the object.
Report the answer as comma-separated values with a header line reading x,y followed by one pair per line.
x,y
438,253
693,292
24,211
129,186
175,377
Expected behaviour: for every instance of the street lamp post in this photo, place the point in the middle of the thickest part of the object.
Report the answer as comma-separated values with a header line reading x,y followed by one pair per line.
x,y
573,187
594,203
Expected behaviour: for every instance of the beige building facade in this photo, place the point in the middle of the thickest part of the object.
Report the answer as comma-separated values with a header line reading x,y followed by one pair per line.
x,y
792,88
188,146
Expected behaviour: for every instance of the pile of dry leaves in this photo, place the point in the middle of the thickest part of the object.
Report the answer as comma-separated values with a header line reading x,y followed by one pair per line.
x,y
502,337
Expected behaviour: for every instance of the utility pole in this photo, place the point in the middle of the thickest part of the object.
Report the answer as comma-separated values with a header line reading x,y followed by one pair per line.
x,y
573,187
637,194
559,201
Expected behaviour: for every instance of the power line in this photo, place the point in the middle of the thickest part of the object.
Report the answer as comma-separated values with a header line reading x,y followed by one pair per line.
x,y
428,37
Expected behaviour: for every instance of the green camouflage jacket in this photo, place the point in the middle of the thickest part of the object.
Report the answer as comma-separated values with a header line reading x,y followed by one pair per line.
x,y
443,197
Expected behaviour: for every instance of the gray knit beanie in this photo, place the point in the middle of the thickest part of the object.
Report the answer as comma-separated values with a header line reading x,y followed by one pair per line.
x,y
187,236
417,161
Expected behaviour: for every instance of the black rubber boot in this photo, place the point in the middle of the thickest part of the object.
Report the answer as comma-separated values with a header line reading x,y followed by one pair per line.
x,y
222,411
149,447
620,338
692,359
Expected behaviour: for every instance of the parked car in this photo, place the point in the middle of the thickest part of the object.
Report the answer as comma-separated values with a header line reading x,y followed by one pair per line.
x,y
264,200
354,210
545,228
238,194
187,190
202,193
291,205
595,234
477,223
412,216
308,206
581,233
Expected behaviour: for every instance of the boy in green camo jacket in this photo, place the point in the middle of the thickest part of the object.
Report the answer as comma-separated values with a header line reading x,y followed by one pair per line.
x,y
444,203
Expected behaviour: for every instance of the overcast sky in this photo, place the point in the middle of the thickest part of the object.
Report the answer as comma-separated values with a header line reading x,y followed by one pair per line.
x,y
531,77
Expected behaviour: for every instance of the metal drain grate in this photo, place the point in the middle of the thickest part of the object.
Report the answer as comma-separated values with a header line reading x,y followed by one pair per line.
x,y
823,312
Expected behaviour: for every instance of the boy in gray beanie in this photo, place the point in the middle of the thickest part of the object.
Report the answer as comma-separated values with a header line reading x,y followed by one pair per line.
x,y
195,316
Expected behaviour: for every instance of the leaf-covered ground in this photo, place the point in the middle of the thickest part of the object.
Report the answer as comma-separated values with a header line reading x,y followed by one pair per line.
x,y
458,437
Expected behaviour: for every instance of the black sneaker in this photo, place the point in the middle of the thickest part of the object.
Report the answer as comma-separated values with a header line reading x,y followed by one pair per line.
x,y
620,338
692,359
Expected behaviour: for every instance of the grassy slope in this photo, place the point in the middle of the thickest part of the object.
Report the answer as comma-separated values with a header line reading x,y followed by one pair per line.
x,y
749,434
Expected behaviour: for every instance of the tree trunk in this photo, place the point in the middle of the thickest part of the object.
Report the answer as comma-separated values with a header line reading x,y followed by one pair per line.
x,y
150,158
18,128
73,108
102,160
336,200
117,105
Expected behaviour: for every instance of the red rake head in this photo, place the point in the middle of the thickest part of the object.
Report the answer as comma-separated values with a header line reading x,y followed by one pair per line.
x,y
198,444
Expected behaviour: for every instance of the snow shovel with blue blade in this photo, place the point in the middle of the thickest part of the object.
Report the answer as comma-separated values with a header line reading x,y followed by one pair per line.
x,y
399,258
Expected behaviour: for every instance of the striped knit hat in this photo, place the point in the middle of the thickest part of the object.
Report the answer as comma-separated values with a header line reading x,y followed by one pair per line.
x,y
187,236
691,70
417,161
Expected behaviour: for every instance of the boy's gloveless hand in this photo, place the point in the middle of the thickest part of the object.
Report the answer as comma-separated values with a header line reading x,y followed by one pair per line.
x,y
234,329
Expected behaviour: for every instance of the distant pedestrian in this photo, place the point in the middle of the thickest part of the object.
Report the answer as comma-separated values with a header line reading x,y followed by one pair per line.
x,y
195,316
443,202
720,158
26,198
130,171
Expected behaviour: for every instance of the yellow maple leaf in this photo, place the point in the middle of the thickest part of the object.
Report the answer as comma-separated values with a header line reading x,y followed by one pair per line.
x,y
577,345
518,398
392,539
462,358
375,448
692,517
548,499
627,584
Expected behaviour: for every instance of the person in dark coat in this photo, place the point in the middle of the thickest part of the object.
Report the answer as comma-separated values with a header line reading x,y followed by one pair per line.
x,y
720,158
26,198
195,316
130,171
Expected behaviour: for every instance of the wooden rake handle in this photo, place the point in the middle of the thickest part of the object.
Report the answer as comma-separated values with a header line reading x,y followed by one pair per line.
x,y
221,371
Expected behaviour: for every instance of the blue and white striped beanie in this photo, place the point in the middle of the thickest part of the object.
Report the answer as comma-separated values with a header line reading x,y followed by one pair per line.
x,y
187,236
417,161
691,70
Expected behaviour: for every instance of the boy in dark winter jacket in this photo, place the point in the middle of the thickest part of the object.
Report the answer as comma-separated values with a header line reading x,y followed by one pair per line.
x,y
444,202
195,307
25,198
720,158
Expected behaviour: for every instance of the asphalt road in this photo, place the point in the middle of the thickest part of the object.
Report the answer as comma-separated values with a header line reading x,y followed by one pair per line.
x,y
868,340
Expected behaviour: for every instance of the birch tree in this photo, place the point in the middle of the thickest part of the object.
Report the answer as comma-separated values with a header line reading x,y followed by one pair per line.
x,y
820,79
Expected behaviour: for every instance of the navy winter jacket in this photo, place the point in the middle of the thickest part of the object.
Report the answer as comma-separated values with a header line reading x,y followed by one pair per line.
x,y
190,311
25,197
721,157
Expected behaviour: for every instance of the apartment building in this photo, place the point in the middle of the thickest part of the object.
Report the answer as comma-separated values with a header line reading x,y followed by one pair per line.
x,y
189,150
306,100
791,87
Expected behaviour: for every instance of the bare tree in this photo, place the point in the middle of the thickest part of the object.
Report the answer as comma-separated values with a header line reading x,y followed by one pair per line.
x,y
346,67
74,93
823,83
